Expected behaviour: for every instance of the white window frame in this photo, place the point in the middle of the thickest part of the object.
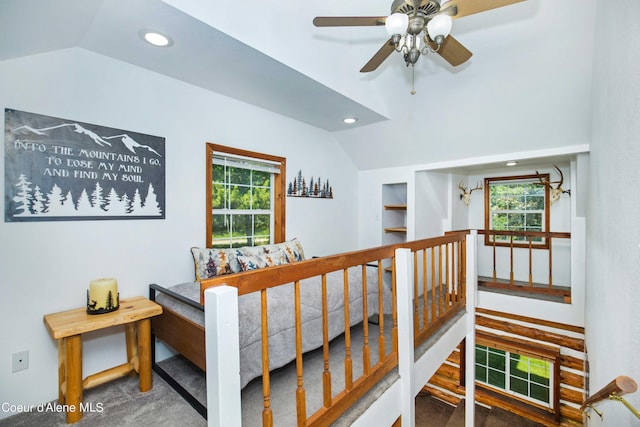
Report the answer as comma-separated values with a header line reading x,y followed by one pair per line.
x,y
230,213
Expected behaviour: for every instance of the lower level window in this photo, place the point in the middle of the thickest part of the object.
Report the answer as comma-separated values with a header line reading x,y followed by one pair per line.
x,y
525,377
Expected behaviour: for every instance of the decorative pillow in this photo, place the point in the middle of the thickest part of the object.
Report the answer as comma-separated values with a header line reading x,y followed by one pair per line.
x,y
251,262
254,262
214,262
291,249
250,251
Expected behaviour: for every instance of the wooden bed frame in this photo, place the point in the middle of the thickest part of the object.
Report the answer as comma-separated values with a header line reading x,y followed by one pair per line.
x,y
184,336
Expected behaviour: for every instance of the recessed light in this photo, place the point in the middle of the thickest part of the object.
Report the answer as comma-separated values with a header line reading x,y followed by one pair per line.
x,y
350,120
511,163
155,38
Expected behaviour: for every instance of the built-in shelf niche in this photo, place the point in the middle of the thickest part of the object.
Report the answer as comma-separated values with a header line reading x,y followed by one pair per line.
x,y
394,213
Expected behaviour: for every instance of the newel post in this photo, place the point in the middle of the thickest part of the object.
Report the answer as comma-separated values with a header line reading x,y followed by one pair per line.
x,y
222,356
470,339
404,280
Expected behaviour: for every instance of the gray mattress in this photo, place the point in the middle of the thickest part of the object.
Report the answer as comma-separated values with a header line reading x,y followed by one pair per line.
x,y
281,312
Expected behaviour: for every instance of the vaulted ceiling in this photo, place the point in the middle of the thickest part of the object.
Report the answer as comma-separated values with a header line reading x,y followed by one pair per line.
x,y
527,86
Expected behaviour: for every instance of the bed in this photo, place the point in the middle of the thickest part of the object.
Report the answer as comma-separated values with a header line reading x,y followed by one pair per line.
x,y
181,324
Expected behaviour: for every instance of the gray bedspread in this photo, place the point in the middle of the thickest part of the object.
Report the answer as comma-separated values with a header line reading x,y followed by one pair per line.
x,y
281,315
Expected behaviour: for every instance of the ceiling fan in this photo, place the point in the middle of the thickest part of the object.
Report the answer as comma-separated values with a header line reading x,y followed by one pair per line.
x,y
418,27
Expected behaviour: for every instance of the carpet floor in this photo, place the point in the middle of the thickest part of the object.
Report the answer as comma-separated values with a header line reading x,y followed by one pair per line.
x,y
119,403
122,405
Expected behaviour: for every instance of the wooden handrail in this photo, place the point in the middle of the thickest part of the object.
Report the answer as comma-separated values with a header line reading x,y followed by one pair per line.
x,y
553,234
618,387
288,273
519,277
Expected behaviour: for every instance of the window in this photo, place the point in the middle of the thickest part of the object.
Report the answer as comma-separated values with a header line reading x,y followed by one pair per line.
x,y
517,203
525,371
245,197
524,376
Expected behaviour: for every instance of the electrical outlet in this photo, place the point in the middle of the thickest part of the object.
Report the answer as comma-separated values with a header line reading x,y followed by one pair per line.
x,y
20,361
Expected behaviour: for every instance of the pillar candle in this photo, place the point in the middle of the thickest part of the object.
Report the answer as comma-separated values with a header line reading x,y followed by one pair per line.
x,y
99,294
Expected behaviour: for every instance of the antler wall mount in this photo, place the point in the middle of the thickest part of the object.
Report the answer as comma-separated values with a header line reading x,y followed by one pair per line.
x,y
465,196
418,27
557,191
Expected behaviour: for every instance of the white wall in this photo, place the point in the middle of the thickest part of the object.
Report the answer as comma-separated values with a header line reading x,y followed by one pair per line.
x,y
46,266
433,201
613,233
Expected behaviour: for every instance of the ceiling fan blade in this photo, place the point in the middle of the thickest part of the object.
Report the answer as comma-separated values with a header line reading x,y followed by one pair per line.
x,y
383,53
379,57
452,51
348,21
470,7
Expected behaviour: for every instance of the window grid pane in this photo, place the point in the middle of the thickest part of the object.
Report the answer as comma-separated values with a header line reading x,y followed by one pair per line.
x,y
517,206
241,207
524,376
481,374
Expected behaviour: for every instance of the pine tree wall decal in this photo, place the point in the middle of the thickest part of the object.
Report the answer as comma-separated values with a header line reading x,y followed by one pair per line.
x,y
316,189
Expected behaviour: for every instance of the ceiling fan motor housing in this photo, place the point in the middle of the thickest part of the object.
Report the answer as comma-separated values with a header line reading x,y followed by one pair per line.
x,y
416,24
411,7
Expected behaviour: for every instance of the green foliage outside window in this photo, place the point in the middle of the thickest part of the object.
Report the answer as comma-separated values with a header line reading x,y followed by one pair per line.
x,y
516,206
523,376
530,377
241,206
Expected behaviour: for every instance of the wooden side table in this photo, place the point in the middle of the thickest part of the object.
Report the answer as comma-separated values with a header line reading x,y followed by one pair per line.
x,y
68,326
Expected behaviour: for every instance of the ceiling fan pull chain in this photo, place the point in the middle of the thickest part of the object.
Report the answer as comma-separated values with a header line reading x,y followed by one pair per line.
x,y
413,79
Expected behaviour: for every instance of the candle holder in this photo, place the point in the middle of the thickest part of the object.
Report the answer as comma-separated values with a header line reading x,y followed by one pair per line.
x,y
103,296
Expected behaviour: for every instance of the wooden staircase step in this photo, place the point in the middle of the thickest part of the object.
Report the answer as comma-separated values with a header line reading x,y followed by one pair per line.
x,y
498,417
458,416
431,411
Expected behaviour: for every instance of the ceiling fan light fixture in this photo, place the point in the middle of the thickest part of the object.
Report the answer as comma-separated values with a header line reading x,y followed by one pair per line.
x,y
396,23
439,28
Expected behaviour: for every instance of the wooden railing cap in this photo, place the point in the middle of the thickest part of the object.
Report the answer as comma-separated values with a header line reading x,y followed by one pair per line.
x,y
626,385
